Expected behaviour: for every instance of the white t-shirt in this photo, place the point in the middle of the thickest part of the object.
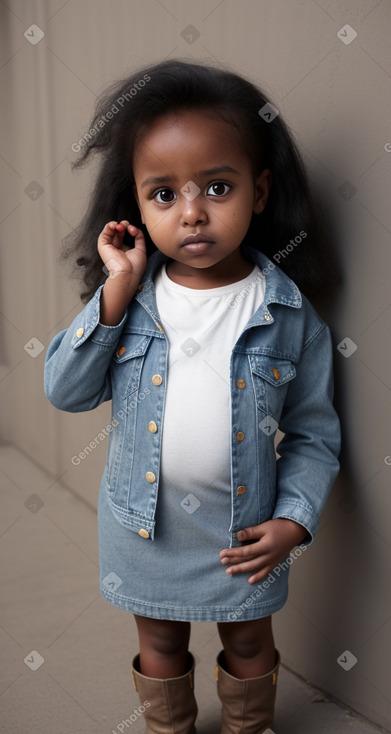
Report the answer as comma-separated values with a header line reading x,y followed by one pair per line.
x,y
202,327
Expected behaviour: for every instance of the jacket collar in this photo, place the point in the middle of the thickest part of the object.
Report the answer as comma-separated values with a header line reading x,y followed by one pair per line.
x,y
279,288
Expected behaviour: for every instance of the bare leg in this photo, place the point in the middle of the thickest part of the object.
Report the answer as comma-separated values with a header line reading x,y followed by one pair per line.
x,y
164,646
248,647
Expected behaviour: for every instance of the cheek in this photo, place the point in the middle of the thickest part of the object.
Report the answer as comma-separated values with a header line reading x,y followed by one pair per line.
x,y
237,221
149,214
157,222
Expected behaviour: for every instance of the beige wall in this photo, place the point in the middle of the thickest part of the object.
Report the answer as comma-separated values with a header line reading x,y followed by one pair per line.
x,y
336,97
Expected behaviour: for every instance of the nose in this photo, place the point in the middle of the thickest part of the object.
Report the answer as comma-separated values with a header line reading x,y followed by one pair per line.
x,y
193,210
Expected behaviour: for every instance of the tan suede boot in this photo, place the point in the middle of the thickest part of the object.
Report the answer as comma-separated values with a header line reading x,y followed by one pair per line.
x,y
169,703
247,704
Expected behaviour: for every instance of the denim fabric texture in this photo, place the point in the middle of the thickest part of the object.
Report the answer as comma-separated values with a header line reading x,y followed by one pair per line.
x,y
281,373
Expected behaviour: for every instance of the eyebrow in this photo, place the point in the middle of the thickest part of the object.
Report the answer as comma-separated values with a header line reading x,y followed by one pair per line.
x,y
208,172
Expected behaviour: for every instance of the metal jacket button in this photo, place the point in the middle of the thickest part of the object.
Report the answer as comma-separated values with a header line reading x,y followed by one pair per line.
x,y
276,373
144,533
240,435
241,489
150,477
80,332
157,379
152,427
241,384
120,351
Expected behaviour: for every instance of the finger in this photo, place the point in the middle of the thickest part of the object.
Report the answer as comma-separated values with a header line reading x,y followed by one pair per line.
x,y
242,563
119,233
236,555
258,576
139,239
255,565
118,240
255,531
107,233
250,549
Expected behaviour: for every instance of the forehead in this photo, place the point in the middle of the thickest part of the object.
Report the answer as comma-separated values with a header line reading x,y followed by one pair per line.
x,y
187,138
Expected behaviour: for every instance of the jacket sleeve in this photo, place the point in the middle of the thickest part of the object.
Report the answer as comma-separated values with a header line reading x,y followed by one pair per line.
x,y
308,463
76,370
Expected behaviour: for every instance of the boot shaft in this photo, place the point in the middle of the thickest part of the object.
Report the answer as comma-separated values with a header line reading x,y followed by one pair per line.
x,y
173,708
247,704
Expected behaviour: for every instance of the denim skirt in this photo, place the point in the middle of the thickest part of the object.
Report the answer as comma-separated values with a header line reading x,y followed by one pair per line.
x,y
179,575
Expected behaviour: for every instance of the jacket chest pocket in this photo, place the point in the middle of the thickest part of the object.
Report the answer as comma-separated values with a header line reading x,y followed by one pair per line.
x,y
271,378
127,363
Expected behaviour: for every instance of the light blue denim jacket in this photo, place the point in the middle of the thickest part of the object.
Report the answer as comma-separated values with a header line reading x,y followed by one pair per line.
x,y
280,373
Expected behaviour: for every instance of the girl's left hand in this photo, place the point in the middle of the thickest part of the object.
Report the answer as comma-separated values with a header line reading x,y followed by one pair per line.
x,y
274,541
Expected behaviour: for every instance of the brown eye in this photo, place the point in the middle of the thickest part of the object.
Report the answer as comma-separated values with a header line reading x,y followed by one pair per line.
x,y
218,189
166,196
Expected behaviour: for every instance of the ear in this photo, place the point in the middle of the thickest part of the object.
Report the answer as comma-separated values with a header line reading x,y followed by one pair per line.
x,y
135,194
262,186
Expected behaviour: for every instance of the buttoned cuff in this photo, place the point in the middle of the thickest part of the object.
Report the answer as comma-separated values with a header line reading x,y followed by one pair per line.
x,y
87,325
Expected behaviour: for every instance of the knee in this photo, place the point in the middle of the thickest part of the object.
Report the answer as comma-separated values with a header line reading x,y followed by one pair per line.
x,y
243,646
167,645
166,641
244,641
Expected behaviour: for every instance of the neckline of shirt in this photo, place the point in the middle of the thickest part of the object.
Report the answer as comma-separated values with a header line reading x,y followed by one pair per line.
x,y
209,292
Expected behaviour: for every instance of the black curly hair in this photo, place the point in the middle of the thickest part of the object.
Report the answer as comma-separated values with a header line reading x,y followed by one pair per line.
x,y
125,111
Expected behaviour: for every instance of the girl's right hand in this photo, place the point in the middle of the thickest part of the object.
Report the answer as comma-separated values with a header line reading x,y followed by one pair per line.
x,y
117,257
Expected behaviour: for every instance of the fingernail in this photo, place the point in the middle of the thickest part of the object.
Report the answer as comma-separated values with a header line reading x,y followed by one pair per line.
x,y
224,560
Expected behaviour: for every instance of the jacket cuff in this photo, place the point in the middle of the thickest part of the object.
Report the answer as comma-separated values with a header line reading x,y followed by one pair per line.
x,y
87,324
299,512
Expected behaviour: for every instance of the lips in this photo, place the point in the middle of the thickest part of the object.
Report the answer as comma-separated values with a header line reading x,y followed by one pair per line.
x,y
194,239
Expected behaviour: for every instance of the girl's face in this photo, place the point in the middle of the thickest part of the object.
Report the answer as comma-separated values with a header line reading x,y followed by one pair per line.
x,y
196,193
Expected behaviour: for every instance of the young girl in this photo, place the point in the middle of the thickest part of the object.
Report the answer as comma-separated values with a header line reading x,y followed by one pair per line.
x,y
205,346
